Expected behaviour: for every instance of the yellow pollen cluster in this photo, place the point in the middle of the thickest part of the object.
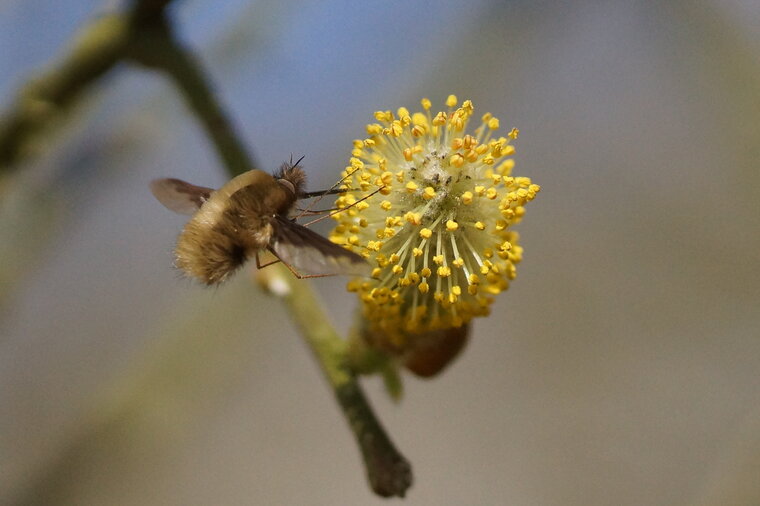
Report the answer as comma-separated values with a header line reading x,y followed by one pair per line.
x,y
430,206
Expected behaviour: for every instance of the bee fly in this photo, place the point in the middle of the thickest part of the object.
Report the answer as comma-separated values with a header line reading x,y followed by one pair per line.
x,y
246,216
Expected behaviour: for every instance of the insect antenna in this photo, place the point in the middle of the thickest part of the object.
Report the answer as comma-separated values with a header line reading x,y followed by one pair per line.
x,y
333,213
312,212
297,161
333,190
321,193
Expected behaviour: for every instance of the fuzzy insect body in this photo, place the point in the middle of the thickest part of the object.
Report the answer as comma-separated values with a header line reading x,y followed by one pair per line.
x,y
247,215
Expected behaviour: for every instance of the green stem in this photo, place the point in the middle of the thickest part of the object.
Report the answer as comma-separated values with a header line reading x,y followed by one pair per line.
x,y
389,473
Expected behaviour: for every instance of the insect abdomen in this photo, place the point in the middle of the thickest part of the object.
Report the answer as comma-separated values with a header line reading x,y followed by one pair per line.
x,y
209,254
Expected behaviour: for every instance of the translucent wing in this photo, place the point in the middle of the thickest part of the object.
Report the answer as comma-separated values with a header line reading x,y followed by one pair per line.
x,y
311,254
179,196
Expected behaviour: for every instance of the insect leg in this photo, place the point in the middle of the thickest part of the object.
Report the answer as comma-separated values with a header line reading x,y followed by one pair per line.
x,y
291,269
259,265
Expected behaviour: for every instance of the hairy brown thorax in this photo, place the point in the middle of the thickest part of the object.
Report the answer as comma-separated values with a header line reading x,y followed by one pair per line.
x,y
235,223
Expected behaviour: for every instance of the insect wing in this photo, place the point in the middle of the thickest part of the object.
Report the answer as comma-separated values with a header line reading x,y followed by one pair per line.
x,y
179,196
311,254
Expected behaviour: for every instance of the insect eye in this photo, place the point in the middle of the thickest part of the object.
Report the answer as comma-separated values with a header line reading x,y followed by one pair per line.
x,y
287,184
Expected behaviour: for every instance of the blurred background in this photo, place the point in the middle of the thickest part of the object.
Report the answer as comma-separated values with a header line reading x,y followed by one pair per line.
x,y
622,367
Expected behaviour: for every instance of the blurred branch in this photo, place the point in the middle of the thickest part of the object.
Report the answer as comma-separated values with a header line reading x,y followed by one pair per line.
x,y
147,9
95,51
159,49
133,34
389,473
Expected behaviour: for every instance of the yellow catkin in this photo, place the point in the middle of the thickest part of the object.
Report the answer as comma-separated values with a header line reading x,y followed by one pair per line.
x,y
432,207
